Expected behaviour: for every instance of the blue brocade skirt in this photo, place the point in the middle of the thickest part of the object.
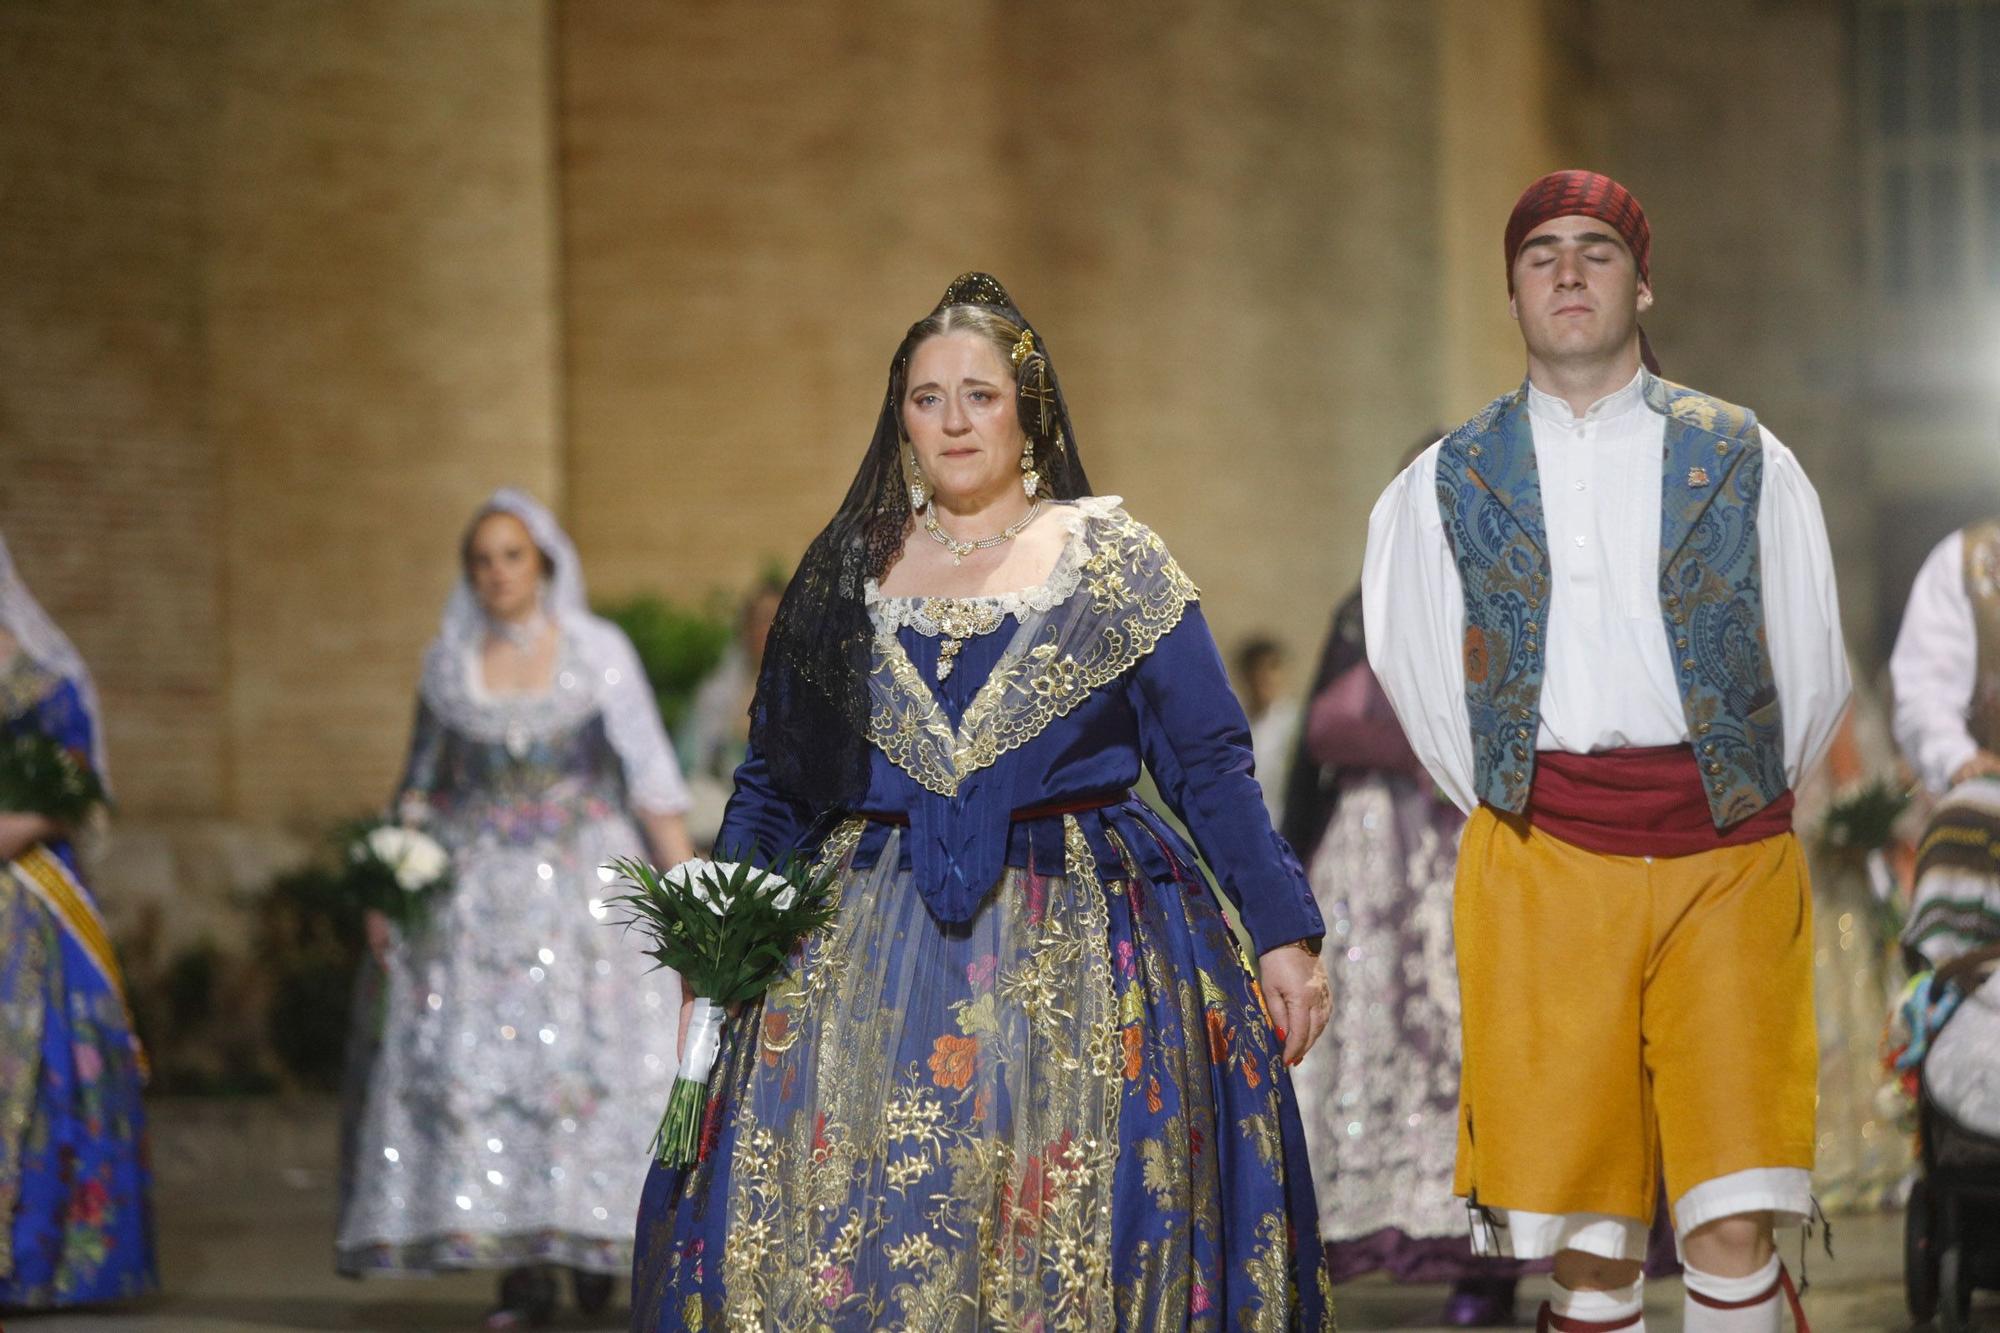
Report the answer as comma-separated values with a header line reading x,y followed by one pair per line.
x,y
1068,1113
74,1178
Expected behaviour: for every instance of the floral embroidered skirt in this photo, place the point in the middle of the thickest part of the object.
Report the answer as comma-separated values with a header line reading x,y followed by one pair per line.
x,y
74,1178
1068,1113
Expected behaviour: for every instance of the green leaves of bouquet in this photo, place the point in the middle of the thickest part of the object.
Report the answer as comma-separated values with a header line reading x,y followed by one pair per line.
x,y
41,776
725,926
1865,819
728,928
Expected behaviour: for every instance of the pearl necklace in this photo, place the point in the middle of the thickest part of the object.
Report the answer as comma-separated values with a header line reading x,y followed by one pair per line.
x,y
959,550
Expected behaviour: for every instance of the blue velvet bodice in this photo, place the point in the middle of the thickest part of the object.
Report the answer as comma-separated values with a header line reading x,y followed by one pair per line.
x,y
1060,709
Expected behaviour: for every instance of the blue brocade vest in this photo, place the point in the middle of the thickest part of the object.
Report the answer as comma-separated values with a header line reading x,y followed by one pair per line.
x,y
1711,594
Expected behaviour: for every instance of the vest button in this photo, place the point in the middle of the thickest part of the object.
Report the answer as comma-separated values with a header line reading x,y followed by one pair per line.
x,y
1703,730
1722,446
1522,732
1681,642
1672,600
1687,664
1534,603
1520,715
1714,769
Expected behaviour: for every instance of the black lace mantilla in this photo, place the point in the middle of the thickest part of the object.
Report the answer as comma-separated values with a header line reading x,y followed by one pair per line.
x,y
810,717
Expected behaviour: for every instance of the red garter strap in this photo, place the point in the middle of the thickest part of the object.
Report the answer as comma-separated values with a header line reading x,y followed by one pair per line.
x,y
1792,1295
1645,801
1784,1284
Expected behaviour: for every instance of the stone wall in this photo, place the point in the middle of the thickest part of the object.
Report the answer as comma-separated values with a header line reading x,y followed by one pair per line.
x,y
1741,147
290,285
1225,221
280,306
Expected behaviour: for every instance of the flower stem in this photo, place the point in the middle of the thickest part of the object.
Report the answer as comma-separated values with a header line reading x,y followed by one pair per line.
x,y
678,1140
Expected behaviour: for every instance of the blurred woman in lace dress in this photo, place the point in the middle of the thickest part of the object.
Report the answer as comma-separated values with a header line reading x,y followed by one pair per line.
x,y
526,1048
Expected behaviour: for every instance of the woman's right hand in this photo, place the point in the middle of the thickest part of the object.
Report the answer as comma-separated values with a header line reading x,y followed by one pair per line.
x,y
19,831
687,1020
377,926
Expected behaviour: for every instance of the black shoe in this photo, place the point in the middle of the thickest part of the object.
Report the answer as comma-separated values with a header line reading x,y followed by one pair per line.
x,y
591,1290
527,1299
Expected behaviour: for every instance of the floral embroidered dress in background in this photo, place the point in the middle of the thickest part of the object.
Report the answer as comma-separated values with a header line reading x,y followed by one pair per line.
x,y
74,1177
1024,1080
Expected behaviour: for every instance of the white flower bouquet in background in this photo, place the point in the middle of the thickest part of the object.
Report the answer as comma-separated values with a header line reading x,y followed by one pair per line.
x,y
727,927
394,870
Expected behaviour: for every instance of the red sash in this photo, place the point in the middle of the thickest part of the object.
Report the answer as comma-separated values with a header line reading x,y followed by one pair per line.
x,y
1646,801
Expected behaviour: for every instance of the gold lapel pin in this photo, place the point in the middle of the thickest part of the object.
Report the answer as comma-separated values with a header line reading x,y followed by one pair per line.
x,y
1697,476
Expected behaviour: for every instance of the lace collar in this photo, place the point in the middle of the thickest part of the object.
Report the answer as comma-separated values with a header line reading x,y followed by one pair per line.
x,y
1132,593
452,687
890,614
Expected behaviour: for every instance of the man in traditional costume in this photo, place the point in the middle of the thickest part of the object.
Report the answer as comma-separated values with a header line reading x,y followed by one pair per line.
x,y
1604,612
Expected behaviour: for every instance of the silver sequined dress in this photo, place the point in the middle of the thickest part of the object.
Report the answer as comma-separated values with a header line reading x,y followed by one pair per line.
x,y
1379,1092
526,1049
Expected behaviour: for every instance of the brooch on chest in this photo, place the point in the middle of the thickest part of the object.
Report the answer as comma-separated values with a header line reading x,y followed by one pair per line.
x,y
958,621
1697,475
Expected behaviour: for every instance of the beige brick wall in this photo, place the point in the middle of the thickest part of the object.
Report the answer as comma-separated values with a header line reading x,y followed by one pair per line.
x,y
382,351
290,285
109,479
1225,222
1741,147
279,307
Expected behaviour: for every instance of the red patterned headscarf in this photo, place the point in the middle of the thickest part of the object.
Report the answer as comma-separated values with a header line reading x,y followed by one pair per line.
x,y
1566,194
1562,194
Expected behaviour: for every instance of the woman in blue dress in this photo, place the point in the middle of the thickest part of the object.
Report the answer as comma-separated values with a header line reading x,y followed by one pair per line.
x,y
1027,1078
74,1180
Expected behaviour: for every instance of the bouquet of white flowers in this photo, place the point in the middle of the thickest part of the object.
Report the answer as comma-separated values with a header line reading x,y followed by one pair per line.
x,y
727,927
393,869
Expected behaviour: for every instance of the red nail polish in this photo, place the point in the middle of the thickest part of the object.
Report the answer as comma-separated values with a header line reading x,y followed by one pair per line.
x,y
1281,1034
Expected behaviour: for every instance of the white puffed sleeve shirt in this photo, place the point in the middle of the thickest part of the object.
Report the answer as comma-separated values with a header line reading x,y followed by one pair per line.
x,y
1609,680
1933,666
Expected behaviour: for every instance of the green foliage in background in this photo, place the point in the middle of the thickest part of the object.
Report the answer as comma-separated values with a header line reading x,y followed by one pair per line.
x,y
677,645
194,1019
311,940
275,1017
1865,819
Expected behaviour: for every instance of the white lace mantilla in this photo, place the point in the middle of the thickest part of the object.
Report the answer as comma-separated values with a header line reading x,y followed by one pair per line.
x,y
890,614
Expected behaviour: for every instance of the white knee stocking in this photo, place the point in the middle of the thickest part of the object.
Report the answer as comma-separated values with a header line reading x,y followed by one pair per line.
x,y
1753,1304
1621,1310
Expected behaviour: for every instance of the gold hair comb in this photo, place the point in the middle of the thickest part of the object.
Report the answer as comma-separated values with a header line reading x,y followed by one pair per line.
x,y
1024,347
